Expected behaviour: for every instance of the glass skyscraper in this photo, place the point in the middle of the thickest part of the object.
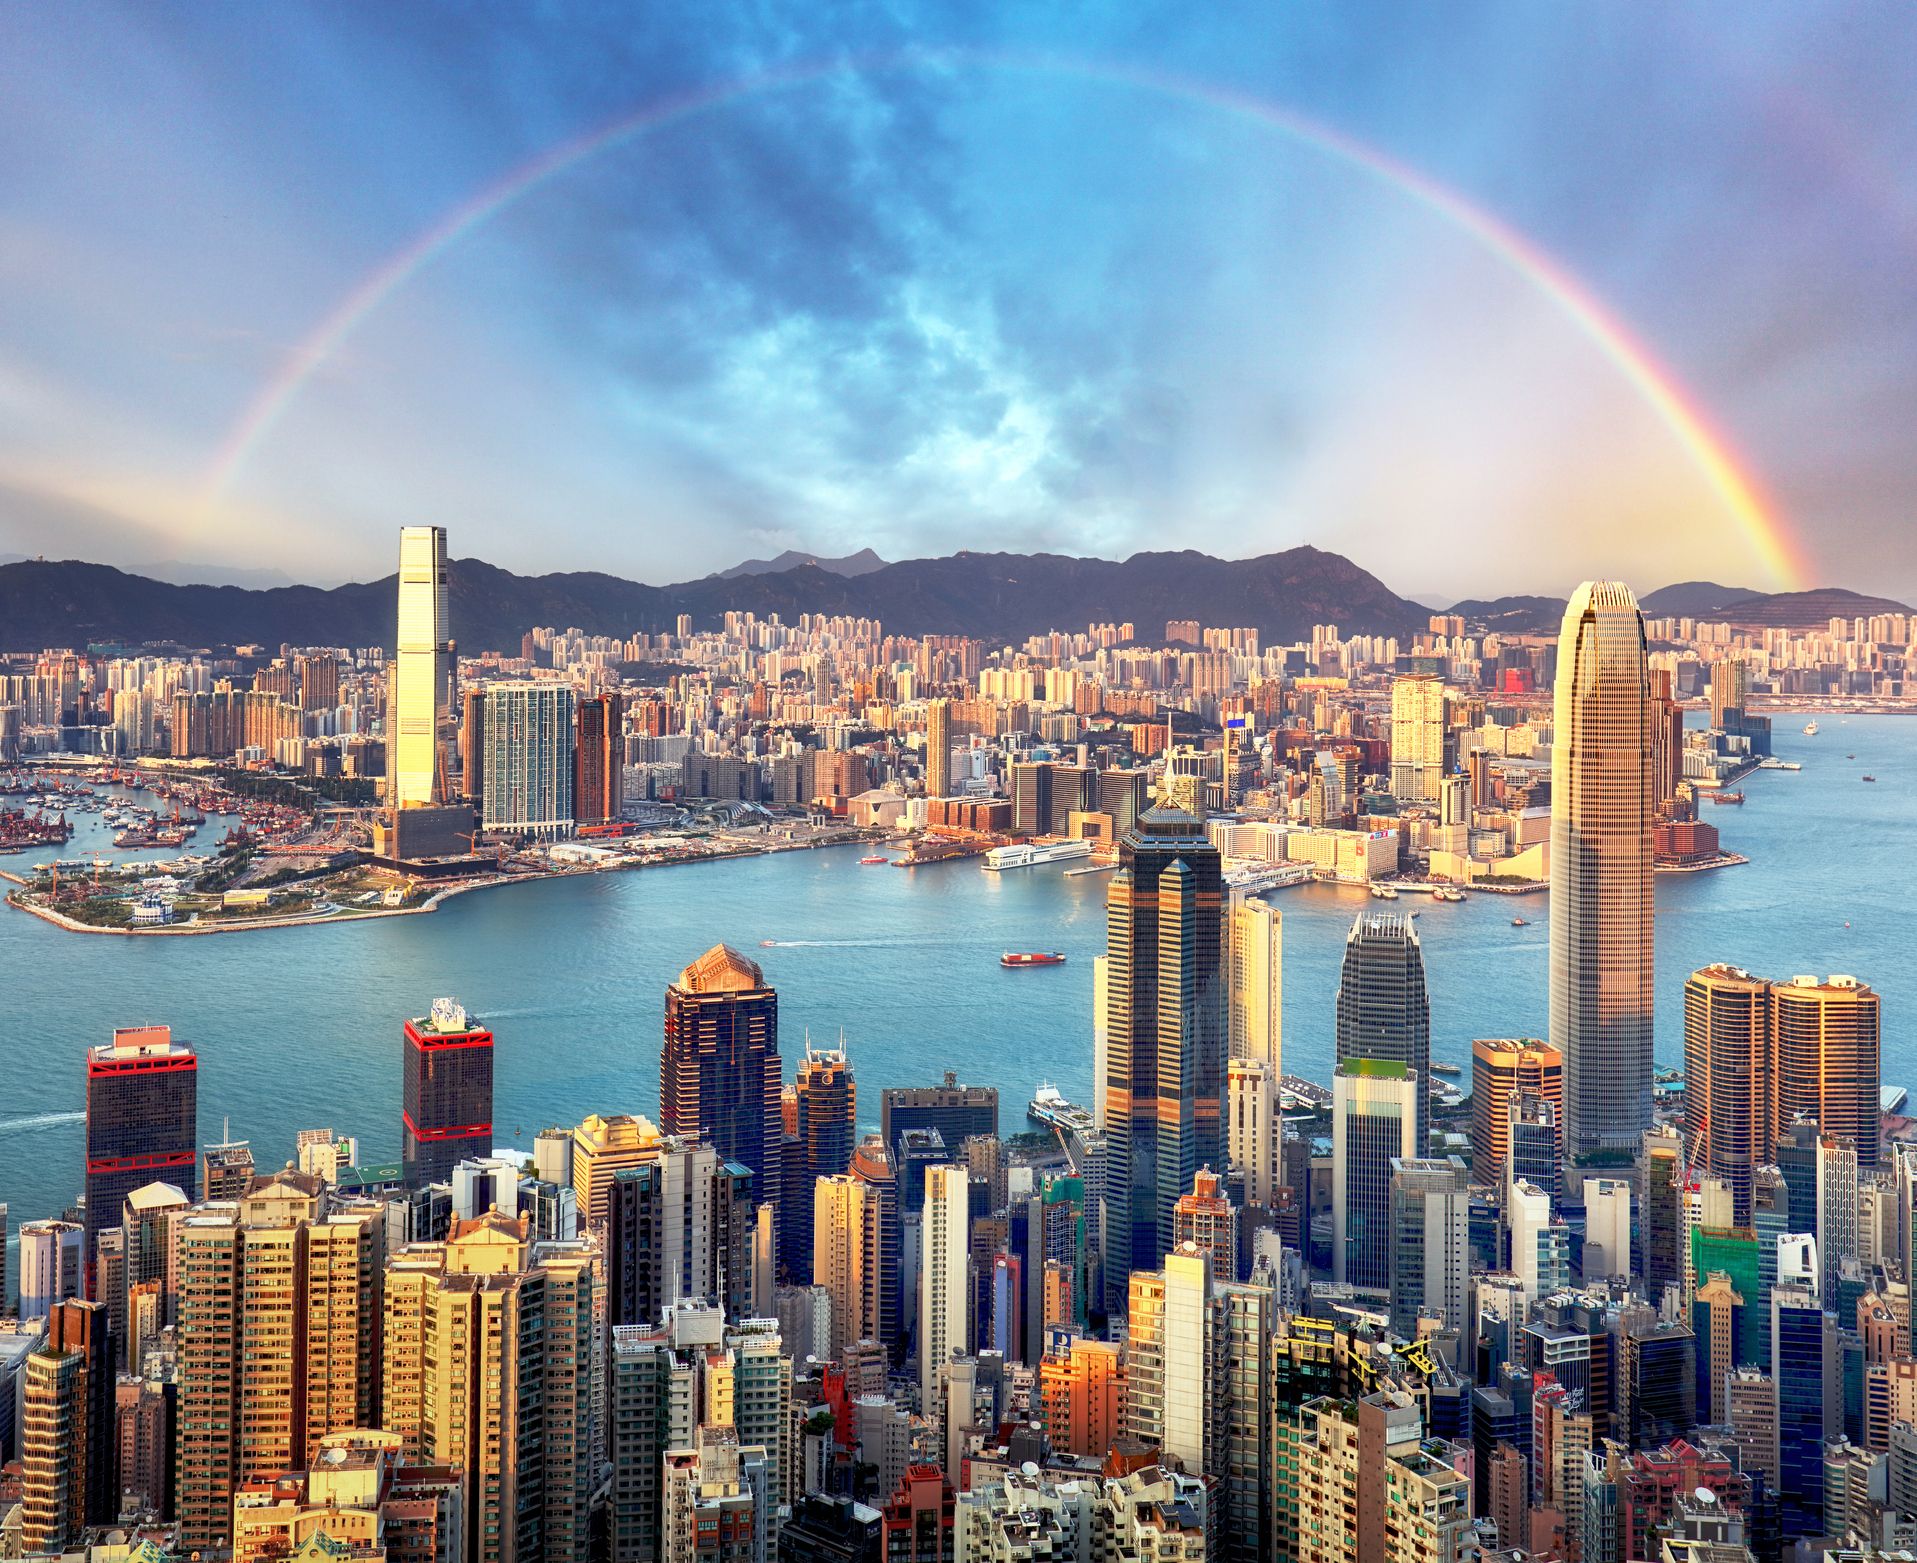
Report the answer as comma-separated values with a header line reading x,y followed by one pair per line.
x,y
447,1106
420,714
1602,799
528,761
1166,1027
1383,1010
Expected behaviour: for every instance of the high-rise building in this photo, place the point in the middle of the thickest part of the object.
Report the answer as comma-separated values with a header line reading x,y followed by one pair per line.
x,y
1374,1121
1257,942
1799,1366
1500,1068
825,1101
1255,1130
1417,737
599,759
528,760
848,1232
226,1169
447,1108
142,1114
1082,1393
945,1281
68,1451
719,1500
1384,1012
1166,991
1204,1219
1602,806
1607,1228
1727,1091
1825,1039
956,1111
719,1069
52,1265
938,748
420,710
1430,1252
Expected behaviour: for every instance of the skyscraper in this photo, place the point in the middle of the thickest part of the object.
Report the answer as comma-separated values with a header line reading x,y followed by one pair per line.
x,y
1500,1069
1825,1059
938,748
847,1257
1602,801
1257,937
1417,737
528,765
1430,1247
421,708
447,1111
142,1112
1374,1121
719,1068
1166,1028
67,1443
599,759
1727,1077
1384,1012
945,1285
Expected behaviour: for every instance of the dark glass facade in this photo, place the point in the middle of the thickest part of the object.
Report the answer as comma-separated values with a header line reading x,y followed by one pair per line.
x,y
142,1115
448,1102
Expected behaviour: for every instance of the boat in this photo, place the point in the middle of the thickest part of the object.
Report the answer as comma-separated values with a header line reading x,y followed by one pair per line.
x,y
1520,922
880,858
1018,959
1810,729
1447,893
1029,854
1869,777
1384,892
1772,763
1725,797
1441,1066
1049,1107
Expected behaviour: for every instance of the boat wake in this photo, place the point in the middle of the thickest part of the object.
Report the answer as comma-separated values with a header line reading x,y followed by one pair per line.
x,y
39,1121
838,944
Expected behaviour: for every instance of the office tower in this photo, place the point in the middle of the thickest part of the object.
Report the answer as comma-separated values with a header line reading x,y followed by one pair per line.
x,y
1540,1244
825,1102
1384,1012
1430,1243
446,1114
677,1221
142,1106
956,1111
1798,1367
472,746
1660,1212
945,1284
1498,1069
1417,737
599,759
1082,1393
1717,1322
1255,1130
1727,1091
719,1069
490,1348
1535,1142
938,748
872,1166
419,718
1837,1236
1601,903
1825,1063
226,1170
528,760
67,1446
52,1265
1257,982
1166,988
1607,1228
1374,1119
1750,1411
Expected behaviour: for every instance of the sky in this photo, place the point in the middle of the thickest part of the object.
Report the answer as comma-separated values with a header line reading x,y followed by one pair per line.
x,y
1490,298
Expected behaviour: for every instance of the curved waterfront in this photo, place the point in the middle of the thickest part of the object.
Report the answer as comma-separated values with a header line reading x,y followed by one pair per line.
x,y
300,1027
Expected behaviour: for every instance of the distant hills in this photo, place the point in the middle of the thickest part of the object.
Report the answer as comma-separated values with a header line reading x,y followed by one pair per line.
x,y
1000,597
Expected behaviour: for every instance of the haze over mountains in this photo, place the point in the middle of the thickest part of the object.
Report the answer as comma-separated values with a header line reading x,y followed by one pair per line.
x,y
996,596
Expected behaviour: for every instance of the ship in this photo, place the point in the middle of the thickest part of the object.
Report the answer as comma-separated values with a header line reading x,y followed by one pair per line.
x,y
1384,893
1019,959
1520,922
1447,893
880,858
1810,729
1029,854
1772,763
1869,777
1440,1066
1725,797
1049,1107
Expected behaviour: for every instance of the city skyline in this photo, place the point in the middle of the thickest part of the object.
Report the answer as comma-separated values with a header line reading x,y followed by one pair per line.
x,y
685,399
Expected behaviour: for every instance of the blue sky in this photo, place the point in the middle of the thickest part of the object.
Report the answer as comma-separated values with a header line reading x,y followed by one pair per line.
x,y
975,288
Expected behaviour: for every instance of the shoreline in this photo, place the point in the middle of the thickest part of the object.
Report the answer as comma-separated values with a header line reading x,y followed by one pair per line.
x,y
430,904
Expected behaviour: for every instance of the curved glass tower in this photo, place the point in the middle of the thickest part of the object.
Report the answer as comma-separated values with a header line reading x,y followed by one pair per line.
x,y
1602,798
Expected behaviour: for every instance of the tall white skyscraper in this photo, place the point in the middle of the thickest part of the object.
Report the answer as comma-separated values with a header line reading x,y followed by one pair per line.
x,y
945,1288
1602,798
420,709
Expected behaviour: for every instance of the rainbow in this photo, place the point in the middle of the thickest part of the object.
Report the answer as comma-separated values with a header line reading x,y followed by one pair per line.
x,y
1660,390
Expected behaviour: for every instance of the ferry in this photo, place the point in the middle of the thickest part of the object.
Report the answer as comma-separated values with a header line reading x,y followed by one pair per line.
x,y
1384,892
1869,777
880,858
1050,1108
1772,763
1810,729
1447,893
1017,960
1029,854
1441,1066
1725,797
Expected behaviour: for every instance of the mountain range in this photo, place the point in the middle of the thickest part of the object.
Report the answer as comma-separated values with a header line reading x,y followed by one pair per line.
x,y
1002,597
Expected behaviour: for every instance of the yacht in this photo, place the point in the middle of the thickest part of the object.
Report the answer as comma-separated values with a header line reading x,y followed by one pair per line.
x,y
1810,729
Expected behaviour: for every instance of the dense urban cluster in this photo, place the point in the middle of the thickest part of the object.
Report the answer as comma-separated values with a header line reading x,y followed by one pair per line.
x,y
1586,1313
